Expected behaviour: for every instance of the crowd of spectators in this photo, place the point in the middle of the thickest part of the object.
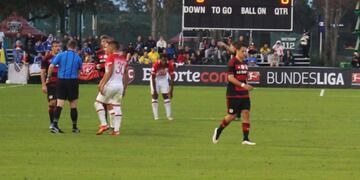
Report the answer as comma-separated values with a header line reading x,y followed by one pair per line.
x,y
147,51
207,52
31,49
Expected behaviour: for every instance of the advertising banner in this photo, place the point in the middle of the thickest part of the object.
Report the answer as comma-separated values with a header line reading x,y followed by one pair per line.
x,y
288,77
18,73
89,72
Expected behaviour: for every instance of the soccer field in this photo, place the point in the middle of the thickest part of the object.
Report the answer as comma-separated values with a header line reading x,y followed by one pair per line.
x,y
299,135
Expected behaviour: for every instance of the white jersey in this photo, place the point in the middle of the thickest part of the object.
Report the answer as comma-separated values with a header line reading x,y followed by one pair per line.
x,y
120,64
114,88
162,71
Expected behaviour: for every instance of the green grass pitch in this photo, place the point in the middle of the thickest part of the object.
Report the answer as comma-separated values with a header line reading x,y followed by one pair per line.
x,y
299,135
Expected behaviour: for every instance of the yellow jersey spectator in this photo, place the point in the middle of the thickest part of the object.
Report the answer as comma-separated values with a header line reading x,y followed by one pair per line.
x,y
153,55
264,52
144,59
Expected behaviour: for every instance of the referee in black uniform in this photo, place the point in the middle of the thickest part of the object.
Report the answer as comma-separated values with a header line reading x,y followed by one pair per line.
x,y
69,64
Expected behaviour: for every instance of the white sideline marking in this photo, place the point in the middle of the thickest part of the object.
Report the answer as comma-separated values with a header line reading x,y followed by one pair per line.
x,y
322,92
205,118
5,87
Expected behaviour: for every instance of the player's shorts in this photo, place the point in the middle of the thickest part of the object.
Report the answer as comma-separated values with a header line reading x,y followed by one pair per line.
x,y
51,92
162,86
112,95
67,89
235,106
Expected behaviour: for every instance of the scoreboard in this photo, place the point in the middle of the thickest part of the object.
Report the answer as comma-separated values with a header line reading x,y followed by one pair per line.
x,y
258,15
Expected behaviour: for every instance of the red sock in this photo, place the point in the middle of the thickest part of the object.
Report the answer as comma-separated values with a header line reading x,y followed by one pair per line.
x,y
246,129
224,123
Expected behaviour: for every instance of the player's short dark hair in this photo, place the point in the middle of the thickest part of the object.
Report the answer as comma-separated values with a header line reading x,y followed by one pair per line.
x,y
163,56
239,45
72,44
54,42
114,44
106,37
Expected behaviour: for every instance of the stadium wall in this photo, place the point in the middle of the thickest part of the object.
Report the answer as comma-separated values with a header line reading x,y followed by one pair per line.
x,y
285,77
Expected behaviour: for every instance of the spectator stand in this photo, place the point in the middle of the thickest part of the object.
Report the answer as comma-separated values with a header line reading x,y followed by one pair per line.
x,y
299,60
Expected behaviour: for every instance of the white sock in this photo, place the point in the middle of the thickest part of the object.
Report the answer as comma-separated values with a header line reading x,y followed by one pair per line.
x,y
155,107
111,117
101,113
167,104
117,118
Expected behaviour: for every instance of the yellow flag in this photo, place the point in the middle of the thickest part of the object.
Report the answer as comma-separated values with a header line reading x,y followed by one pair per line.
x,y
2,56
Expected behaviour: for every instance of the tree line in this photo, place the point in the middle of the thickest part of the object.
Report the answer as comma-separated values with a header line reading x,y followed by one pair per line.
x,y
306,17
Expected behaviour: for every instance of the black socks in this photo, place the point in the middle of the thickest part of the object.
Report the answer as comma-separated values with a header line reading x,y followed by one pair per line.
x,y
74,117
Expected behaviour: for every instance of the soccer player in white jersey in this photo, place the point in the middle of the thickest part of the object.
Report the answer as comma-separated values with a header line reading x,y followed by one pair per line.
x,y
112,88
161,72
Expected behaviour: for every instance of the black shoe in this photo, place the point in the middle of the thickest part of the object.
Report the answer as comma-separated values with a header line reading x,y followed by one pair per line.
x,y
76,130
56,130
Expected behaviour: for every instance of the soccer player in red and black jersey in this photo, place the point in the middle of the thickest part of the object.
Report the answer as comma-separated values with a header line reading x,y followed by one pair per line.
x,y
237,95
100,65
101,55
50,88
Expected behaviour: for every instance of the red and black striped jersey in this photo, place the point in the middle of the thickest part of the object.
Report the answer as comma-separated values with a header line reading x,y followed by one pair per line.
x,y
240,71
45,63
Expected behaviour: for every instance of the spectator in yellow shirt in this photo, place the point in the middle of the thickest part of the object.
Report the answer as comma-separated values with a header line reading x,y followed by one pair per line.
x,y
153,55
144,59
264,52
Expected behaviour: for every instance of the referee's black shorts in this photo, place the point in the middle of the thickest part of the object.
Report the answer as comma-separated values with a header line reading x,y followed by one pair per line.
x,y
67,89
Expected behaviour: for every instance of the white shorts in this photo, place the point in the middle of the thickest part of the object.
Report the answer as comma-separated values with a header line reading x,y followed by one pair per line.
x,y
112,94
162,86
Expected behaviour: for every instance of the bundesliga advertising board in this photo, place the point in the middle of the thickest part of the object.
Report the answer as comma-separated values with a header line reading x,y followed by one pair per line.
x,y
259,76
259,15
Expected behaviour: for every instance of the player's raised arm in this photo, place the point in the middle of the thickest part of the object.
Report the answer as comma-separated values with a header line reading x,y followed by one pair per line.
x,y
229,48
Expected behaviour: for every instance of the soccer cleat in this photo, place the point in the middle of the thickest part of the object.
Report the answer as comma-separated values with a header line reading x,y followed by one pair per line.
x,y
56,130
102,129
216,136
248,142
156,118
115,133
170,118
76,130
51,126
